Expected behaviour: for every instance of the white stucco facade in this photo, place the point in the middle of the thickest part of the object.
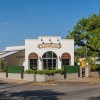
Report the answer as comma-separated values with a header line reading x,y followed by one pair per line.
x,y
31,46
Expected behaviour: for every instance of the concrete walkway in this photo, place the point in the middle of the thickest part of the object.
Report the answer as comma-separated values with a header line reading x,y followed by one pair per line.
x,y
89,81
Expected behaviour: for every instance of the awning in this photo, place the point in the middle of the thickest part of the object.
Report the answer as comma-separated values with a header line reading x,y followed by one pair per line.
x,y
5,54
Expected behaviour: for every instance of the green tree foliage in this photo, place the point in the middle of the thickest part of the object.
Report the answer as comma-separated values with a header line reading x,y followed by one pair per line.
x,y
81,52
87,33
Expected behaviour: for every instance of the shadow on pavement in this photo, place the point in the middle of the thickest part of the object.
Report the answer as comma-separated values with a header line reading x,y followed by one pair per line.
x,y
94,98
31,95
13,85
2,83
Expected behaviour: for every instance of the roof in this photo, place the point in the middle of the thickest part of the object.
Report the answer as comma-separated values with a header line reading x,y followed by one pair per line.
x,y
14,48
11,50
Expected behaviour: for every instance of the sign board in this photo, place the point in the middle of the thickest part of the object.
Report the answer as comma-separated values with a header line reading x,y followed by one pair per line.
x,y
46,45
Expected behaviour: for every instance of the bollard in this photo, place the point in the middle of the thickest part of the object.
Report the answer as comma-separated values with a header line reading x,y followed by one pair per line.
x,y
6,71
35,76
65,72
78,69
22,72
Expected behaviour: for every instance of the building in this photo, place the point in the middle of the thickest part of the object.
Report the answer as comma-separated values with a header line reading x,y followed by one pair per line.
x,y
46,52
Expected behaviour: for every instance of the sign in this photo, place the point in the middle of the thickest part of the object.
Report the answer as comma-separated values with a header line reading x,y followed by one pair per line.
x,y
46,45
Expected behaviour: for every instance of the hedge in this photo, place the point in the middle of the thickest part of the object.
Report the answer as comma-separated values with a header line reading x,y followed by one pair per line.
x,y
48,72
2,69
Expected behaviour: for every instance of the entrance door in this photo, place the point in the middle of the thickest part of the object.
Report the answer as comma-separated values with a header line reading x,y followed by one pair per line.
x,y
49,60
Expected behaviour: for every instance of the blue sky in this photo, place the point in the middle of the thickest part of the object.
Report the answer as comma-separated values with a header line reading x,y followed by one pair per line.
x,y
22,19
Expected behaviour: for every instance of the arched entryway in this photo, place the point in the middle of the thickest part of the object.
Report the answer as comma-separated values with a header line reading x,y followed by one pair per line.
x,y
49,60
33,61
65,59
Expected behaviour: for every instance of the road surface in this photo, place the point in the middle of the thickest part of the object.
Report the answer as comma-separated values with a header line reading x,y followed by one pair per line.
x,y
31,91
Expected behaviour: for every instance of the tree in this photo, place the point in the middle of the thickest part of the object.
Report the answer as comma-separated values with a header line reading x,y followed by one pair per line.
x,y
87,33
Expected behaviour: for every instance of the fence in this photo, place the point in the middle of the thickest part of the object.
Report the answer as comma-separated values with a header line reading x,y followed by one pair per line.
x,y
15,69
72,69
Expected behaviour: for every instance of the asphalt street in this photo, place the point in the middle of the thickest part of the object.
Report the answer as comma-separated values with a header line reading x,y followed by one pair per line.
x,y
48,91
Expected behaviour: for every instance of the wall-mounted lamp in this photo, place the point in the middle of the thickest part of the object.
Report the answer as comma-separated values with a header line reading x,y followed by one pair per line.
x,y
41,39
40,58
42,42
59,43
59,58
49,39
57,39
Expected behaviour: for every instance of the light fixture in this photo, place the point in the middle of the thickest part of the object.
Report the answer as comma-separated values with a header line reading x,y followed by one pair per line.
x,y
40,58
59,58
87,64
78,63
49,39
59,43
41,39
57,39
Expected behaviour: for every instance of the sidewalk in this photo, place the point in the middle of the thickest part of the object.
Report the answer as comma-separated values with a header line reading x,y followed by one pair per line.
x,y
13,81
84,80
89,81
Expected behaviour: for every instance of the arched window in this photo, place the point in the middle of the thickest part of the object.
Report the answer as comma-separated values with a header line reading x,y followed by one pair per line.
x,y
33,58
65,59
49,60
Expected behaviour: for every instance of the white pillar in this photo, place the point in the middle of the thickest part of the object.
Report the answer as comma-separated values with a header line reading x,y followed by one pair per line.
x,y
59,64
26,64
40,67
87,70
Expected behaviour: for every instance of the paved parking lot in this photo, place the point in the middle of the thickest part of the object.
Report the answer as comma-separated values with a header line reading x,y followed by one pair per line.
x,y
62,90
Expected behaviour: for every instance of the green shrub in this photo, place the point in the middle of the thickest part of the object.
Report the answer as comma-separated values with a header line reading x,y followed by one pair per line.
x,y
93,67
98,68
2,69
30,71
47,72
61,71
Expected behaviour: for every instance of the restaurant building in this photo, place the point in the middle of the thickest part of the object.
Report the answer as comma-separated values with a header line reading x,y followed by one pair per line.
x,y
46,52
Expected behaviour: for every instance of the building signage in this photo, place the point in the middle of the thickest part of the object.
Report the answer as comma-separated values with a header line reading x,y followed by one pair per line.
x,y
46,45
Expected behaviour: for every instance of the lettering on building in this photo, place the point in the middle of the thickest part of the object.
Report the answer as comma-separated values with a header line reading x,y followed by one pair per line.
x,y
49,45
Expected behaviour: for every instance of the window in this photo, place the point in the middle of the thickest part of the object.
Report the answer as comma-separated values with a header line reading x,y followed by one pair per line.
x,y
49,60
33,58
33,64
65,62
65,58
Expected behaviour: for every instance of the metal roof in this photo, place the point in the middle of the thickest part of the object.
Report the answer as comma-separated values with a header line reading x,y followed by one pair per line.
x,y
8,53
